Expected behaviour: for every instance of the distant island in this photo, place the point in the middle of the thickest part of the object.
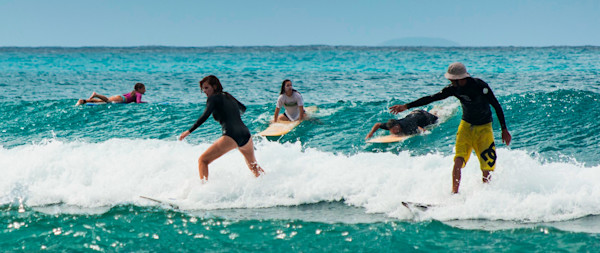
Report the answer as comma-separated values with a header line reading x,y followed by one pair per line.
x,y
420,42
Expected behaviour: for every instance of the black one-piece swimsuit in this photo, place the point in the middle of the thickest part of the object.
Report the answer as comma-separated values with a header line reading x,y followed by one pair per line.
x,y
227,111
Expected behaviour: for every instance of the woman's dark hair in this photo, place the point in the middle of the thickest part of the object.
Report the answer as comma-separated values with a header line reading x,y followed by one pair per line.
x,y
138,86
216,84
283,87
392,123
212,81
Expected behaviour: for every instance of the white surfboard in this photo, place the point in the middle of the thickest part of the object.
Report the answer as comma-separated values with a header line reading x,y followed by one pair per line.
x,y
283,127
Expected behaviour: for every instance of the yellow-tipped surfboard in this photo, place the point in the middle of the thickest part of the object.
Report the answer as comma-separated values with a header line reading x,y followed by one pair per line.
x,y
283,127
389,138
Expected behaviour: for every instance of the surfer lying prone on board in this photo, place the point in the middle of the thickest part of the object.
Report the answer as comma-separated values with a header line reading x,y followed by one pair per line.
x,y
292,102
134,96
227,111
413,123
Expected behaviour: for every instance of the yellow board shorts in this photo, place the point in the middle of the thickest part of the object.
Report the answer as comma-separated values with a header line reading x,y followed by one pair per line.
x,y
481,139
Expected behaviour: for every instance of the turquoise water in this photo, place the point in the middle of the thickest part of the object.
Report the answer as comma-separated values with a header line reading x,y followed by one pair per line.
x,y
72,175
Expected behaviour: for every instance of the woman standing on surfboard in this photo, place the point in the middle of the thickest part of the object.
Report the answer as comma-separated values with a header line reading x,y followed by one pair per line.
x,y
292,102
135,96
227,111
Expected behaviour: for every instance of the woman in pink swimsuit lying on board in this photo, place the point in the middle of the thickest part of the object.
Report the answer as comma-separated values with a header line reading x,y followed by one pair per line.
x,y
134,96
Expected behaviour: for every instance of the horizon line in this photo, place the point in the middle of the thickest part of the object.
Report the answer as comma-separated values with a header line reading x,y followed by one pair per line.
x,y
306,45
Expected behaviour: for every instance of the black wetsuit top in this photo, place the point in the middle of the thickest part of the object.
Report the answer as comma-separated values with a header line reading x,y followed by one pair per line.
x,y
227,111
411,123
475,98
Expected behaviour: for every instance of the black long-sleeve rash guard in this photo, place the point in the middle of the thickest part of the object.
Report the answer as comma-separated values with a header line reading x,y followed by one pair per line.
x,y
475,98
227,111
410,124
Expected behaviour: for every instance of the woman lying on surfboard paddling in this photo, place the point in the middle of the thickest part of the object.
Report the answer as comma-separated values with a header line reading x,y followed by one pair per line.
x,y
227,111
292,102
413,123
134,96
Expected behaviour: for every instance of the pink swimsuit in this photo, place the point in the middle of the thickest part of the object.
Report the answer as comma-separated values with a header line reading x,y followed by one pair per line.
x,y
127,98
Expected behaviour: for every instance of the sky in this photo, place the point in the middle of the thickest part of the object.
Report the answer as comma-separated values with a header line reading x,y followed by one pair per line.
x,y
74,23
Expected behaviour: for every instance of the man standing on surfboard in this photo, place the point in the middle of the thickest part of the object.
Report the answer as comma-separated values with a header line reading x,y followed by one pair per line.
x,y
413,123
475,129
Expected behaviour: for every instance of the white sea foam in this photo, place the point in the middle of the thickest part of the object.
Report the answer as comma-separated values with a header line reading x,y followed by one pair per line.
x,y
118,171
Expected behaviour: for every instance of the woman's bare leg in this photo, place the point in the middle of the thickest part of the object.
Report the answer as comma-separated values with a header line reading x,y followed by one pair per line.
x,y
282,117
102,98
221,146
96,95
248,151
93,100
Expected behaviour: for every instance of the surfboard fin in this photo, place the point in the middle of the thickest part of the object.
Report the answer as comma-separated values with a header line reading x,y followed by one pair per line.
x,y
419,206
174,206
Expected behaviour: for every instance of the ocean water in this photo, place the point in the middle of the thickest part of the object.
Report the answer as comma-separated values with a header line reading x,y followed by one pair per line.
x,y
72,176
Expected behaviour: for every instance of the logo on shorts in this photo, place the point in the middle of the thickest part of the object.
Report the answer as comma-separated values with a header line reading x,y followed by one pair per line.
x,y
489,155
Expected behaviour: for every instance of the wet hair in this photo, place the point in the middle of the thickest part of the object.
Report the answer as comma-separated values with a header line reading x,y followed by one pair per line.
x,y
212,81
392,123
283,87
138,86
